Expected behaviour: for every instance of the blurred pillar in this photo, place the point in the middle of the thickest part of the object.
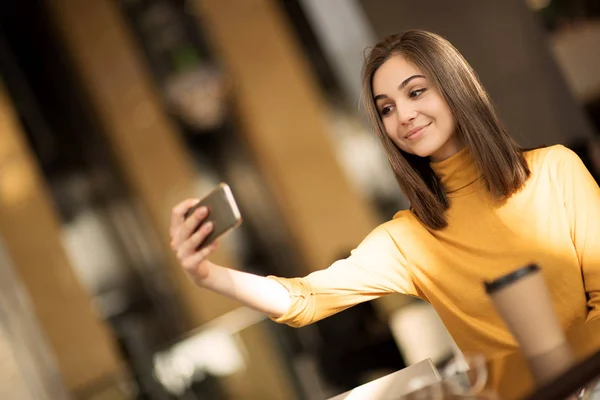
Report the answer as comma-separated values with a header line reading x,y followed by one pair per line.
x,y
509,50
28,368
30,229
156,165
344,33
282,113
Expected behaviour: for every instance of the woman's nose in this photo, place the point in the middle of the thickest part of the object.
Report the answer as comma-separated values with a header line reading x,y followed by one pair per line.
x,y
406,115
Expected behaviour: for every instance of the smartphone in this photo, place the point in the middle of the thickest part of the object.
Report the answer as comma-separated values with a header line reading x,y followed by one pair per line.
x,y
223,212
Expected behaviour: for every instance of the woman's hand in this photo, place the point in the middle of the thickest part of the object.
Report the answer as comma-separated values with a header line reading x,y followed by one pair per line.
x,y
186,236
257,292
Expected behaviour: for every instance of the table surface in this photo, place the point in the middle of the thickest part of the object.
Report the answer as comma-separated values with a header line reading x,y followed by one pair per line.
x,y
509,375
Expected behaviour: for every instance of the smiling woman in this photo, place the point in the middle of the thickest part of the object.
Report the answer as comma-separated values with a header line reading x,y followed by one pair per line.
x,y
481,207
424,99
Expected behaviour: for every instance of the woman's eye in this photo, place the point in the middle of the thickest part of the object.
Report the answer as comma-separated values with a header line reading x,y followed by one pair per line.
x,y
416,93
386,110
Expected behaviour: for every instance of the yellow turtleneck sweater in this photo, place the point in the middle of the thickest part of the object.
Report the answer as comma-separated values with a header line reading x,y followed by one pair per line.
x,y
553,221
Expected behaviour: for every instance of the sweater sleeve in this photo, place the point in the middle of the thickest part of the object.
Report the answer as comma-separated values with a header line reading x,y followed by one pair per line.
x,y
581,196
375,268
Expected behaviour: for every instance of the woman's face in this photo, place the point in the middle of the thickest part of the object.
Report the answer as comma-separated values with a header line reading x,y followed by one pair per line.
x,y
414,114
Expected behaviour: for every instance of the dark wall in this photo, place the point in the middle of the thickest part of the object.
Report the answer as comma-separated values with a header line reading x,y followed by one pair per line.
x,y
506,45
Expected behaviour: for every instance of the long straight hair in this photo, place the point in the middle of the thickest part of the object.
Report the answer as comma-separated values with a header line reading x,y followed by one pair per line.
x,y
496,154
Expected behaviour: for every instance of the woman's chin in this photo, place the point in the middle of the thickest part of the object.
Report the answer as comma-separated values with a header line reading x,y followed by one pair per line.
x,y
434,150
424,151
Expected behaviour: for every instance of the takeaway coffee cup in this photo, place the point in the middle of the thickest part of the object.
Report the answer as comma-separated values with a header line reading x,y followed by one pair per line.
x,y
523,301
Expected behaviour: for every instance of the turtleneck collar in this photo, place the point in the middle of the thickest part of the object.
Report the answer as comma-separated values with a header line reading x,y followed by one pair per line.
x,y
458,173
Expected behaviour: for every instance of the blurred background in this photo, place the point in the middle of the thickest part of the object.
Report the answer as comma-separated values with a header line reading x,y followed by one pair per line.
x,y
113,111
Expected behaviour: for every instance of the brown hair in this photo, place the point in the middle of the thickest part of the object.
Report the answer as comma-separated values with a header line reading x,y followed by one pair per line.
x,y
496,154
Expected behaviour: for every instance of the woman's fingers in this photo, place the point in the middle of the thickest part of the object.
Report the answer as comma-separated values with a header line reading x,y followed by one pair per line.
x,y
178,214
189,226
191,245
187,234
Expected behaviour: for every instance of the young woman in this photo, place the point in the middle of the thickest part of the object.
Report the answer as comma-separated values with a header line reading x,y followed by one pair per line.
x,y
480,208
